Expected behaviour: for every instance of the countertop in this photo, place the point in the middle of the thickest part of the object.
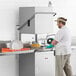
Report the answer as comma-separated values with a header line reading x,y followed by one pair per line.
x,y
27,51
32,51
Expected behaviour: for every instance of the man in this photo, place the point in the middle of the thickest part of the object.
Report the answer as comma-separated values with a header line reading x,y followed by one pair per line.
x,y
62,44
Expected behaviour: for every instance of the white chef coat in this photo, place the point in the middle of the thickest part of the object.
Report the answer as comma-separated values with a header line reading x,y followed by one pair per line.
x,y
63,37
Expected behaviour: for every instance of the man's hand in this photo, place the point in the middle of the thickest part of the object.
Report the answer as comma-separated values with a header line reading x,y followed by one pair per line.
x,y
54,42
50,46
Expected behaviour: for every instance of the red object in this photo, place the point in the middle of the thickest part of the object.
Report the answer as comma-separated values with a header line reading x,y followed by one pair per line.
x,y
9,50
6,50
23,49
46,58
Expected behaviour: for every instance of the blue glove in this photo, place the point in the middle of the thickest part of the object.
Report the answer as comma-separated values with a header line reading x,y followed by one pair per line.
x,y
50,46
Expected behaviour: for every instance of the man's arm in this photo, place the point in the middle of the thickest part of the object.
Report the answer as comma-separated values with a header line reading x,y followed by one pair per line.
x,y
58,37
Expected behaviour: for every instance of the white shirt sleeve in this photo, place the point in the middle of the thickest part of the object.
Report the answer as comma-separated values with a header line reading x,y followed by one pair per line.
x,y
59,36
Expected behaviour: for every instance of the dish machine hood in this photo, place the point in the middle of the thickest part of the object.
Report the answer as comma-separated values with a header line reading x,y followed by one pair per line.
x,y
35,20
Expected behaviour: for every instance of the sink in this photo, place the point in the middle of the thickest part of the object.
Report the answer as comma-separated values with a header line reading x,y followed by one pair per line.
x,y
44,49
